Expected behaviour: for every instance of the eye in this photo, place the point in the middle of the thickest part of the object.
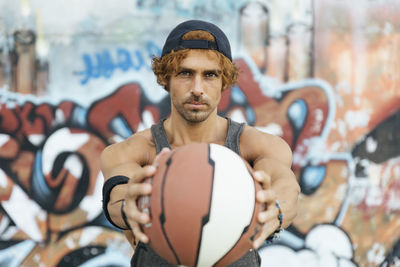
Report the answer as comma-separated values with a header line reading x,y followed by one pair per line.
x,y
211,74
184,73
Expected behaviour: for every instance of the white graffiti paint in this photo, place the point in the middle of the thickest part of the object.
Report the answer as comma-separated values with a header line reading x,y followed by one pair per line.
x,y
324,245
63,140
92,203
238,116
271,128
357,119
371,144
88,235
22,209
4,138
147,121
36,139
376,254
4,180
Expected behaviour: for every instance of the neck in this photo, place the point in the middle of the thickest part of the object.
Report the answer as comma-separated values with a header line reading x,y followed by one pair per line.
x,y
181,132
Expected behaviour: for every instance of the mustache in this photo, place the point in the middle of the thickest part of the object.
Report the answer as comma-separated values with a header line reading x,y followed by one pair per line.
x,y
196,100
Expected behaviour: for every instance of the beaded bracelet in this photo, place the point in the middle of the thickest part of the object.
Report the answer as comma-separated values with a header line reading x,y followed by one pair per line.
x,y
276,234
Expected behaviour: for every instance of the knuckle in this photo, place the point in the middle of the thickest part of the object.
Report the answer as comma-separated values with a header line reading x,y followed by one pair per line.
x,y
132,191
138,176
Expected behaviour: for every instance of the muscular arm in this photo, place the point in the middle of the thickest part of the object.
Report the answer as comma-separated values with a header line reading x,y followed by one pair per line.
x,y
283,184
273,156
126,159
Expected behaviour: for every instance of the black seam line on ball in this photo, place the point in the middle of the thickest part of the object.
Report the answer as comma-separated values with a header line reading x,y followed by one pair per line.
x,y
206,218
246,228
162,215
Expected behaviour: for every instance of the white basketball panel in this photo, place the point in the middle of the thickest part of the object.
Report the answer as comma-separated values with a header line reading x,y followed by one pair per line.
x,y
232,205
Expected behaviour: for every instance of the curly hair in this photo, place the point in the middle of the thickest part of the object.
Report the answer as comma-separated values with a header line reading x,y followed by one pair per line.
x,y
164,67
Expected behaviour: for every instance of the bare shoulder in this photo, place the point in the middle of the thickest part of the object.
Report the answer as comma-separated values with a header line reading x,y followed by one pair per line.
x,y
255,144
138,148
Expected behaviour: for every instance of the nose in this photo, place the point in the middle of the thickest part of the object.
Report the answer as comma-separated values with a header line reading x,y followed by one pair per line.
x,y
197,86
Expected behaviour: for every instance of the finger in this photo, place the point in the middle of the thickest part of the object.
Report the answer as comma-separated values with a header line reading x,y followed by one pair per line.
x,y
266,231
268,215
163,152
143,173
138,233
135,218
266,196
263,178
136,190
138,217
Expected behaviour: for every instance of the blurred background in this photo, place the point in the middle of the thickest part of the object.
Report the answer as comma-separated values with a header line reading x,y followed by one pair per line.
x,y
324,75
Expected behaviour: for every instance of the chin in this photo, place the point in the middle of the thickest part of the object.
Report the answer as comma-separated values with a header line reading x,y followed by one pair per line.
x,y
196,117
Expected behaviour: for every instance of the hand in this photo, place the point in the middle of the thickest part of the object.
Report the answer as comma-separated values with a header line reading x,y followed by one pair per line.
x,y
136,188
268,218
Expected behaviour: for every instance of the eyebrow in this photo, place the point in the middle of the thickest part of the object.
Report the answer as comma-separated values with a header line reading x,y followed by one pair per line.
x,y
218,71
179,69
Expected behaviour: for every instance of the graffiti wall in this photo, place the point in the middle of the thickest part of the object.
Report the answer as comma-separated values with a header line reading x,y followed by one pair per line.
x,y
75,77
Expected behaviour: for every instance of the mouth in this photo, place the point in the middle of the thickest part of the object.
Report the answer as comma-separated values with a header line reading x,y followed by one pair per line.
x,y
195,105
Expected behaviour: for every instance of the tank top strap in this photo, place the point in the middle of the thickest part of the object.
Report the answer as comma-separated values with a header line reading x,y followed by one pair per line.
x,y
232,140
160,136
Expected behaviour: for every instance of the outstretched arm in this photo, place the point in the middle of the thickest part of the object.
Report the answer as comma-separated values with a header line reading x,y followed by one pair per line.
x,y
271,158
282,184
124,166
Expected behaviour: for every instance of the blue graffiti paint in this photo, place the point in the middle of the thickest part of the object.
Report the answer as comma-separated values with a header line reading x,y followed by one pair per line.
x,y
152,50
124,59
78,117
121,127
14,254
311,178
40,190
238,96
297,113
251,116
192,8
103,64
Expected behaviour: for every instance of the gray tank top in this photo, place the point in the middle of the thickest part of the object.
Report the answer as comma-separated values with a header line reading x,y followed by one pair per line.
x,y
144,255
232,137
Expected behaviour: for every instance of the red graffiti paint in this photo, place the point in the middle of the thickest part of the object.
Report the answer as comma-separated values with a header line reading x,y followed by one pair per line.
x,y
125,102
9,147
9,122
273,110
35,120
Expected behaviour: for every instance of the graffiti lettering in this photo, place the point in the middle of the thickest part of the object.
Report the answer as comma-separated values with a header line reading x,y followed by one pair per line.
x,y
191,8
122,113
102,64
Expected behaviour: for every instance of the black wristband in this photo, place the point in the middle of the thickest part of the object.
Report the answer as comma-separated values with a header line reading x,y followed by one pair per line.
x,y
107,187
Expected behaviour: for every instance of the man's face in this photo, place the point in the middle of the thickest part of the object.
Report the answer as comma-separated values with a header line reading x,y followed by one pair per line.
x,y
196,87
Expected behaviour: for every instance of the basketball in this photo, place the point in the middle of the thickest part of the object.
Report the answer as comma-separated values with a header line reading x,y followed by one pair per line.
x,y
203,209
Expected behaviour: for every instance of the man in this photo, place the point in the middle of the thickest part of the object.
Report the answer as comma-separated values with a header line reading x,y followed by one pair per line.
x,y
195,67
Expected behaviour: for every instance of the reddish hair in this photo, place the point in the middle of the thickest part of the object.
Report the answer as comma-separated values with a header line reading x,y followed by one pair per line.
x,y
164,67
